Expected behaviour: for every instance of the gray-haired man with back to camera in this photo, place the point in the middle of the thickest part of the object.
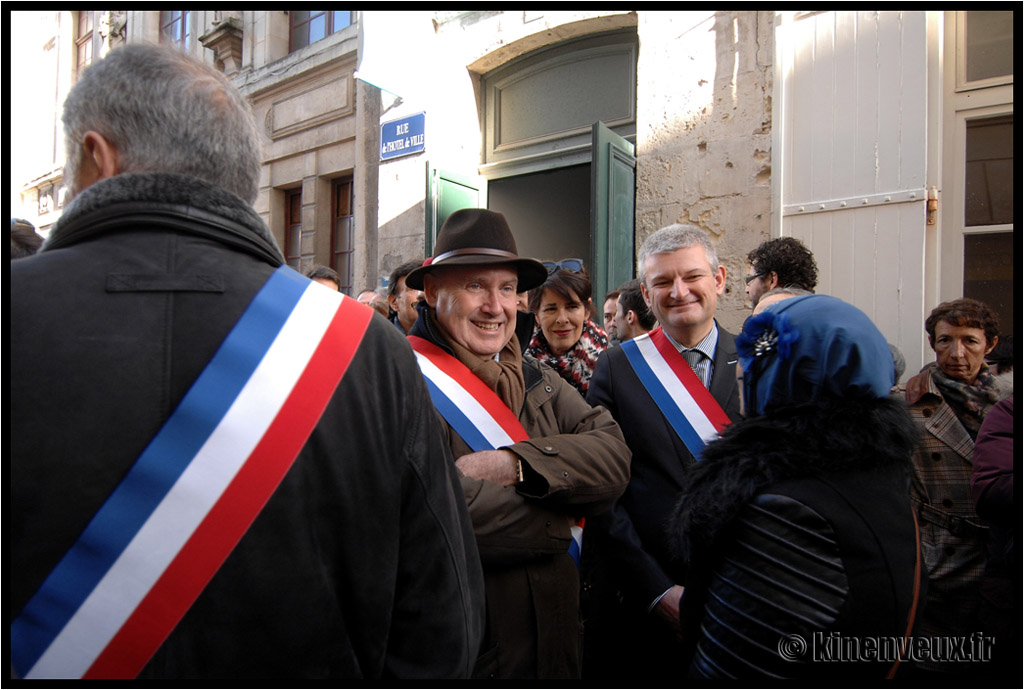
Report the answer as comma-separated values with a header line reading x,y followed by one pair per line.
x,y
194,492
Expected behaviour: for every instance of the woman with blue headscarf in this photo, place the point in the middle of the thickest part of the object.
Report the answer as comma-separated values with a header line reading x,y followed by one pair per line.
x,y
796,525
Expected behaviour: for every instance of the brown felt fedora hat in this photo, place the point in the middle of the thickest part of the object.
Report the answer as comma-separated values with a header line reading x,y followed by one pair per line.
x,y
473,236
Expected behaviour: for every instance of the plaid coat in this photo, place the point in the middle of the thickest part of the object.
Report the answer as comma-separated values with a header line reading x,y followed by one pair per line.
x,y
953,537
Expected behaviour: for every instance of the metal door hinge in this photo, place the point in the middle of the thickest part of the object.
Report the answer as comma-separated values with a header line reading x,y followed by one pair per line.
x,y
933,205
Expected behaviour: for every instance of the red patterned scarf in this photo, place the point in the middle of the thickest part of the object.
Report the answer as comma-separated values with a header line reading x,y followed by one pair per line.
x,y
576,364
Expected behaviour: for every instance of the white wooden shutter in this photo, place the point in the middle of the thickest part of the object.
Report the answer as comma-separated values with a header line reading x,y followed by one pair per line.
x,y
850,133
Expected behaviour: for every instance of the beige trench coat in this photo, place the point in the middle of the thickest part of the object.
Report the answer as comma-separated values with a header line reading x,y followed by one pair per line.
x,y
953,537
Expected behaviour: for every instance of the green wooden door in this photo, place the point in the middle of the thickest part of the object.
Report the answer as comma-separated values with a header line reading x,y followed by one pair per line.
x,y
448,192
612,203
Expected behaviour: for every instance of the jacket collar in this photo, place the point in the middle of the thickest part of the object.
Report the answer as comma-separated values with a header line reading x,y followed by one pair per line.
x,y
942,423
723,379
164,201
920,385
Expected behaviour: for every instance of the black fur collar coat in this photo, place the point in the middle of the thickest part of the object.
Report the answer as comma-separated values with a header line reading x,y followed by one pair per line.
x,y
797,526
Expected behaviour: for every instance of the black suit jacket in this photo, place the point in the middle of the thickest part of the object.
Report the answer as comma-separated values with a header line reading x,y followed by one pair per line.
x,y
630,540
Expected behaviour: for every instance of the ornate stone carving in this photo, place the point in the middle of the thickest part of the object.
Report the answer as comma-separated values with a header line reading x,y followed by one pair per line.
x,y
225,40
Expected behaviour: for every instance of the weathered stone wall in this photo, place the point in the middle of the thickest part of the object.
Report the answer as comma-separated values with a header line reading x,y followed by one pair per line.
x,y
704,104
704,84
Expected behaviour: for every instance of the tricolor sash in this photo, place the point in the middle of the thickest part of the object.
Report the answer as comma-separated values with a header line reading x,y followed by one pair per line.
x,y
689,407
166,529
476,412
473,410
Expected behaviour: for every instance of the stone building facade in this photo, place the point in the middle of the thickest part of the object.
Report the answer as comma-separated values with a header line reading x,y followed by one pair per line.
x,y
321,123
716,118
700,134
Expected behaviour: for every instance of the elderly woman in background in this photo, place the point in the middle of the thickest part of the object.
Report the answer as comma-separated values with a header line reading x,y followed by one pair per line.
x,y
796,526
949,400
566,338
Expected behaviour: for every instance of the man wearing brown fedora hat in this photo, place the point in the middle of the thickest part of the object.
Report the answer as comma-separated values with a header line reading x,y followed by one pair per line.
x,y
534,457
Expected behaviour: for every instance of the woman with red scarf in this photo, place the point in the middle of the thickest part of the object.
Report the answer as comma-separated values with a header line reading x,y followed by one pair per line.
x,y
566,338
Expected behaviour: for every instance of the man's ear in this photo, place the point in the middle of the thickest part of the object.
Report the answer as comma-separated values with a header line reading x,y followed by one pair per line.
x,y
430,290
631,317
772,280
100,159
719,277
103,153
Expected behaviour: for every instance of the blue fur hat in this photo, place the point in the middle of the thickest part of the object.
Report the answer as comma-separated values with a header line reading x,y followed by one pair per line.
x,y
810,348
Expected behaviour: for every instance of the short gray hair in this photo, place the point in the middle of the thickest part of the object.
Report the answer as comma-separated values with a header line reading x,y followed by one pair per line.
x,y
673,238
165,112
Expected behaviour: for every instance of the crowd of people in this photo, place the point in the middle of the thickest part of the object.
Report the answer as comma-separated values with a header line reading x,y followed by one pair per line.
x,y
221,468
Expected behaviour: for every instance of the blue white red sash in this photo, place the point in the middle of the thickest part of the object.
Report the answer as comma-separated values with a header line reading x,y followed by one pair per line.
x,y
689,407
576,546
473,410
192,494
476,412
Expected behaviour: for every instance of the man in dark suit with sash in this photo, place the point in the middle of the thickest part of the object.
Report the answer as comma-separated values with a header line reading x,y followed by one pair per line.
x,y
632,585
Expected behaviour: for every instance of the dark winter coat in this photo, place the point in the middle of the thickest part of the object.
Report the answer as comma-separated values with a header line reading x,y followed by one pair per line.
x,y
362,563
576,464
637,547
799,535
992,488
627,564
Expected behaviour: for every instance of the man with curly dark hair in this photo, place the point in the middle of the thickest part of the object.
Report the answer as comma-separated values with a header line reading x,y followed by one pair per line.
x,y
782,262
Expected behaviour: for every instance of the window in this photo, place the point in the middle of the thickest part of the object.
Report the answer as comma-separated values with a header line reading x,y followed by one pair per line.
x,y
985,48
989,209
540,109
83,44
989,186
175,27
341,232
310,27
293,228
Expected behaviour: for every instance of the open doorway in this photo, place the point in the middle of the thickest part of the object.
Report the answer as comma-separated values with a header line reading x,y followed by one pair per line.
x,y
549,211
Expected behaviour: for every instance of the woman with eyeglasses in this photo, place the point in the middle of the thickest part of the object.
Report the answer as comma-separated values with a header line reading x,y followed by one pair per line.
x,y
566,338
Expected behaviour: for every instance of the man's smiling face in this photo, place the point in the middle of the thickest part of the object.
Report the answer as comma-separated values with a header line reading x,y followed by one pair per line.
x,y
475,304
682,290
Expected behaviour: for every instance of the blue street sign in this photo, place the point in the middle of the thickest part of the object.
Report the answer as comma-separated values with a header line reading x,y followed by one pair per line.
x,y
403,137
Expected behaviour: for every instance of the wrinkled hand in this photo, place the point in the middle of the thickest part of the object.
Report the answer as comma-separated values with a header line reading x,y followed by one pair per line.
x,y
498,466
668,607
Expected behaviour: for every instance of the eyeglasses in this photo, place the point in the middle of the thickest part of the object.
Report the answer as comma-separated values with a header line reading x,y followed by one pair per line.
x,y
750,278
571,265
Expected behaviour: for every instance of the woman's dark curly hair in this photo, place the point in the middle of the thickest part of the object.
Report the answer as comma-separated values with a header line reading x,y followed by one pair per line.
x,y
965,312
789,258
